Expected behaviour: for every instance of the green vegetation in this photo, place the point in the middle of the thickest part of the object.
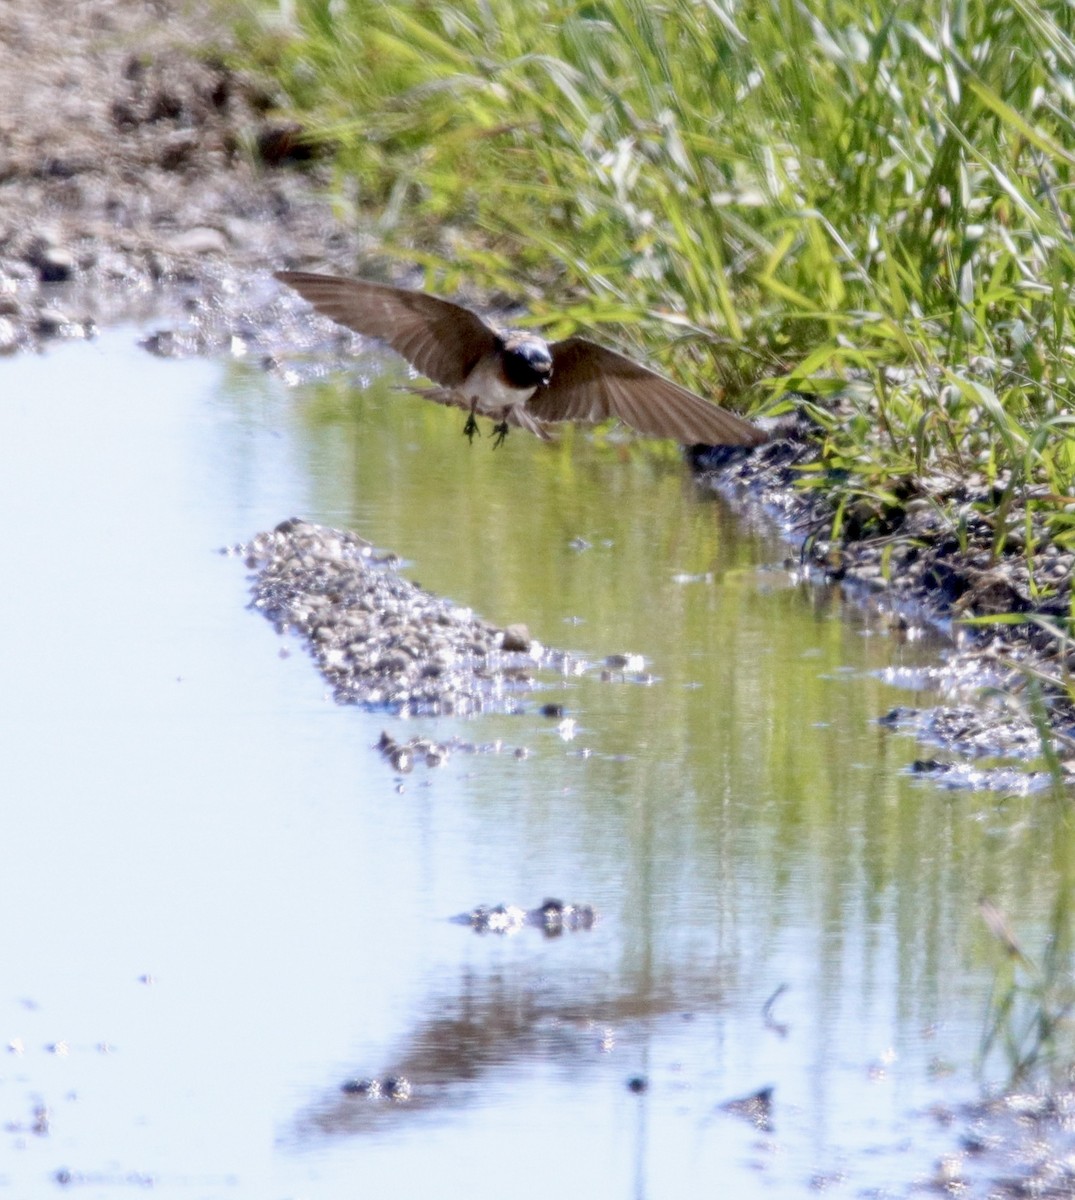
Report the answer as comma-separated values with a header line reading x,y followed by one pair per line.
x,y
770,194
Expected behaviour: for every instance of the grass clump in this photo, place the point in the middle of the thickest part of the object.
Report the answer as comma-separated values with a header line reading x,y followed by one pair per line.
x,y
767,195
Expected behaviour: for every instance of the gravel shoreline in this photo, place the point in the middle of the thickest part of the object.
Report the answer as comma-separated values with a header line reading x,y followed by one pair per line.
x,y
383,642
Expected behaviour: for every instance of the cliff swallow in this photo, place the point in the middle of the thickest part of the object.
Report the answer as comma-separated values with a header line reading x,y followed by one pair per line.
x,y
516,377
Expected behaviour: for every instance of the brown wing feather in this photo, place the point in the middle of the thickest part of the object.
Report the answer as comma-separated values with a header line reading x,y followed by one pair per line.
x,y
590,383
441,339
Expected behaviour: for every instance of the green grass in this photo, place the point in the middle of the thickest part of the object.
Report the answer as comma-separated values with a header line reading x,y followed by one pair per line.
x,y
763,196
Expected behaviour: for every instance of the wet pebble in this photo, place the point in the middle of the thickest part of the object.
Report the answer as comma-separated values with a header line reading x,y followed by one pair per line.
x,y
396,1087
361,1087
757,1108
51,322
516,639
201,240
625,662
171,343
9,336
54,264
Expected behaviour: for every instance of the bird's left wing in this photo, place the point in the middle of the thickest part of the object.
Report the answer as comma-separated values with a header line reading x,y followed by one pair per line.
x,y
591,383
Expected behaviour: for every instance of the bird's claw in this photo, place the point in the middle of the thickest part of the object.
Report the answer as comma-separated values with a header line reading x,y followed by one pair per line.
x,y
470,429
501,432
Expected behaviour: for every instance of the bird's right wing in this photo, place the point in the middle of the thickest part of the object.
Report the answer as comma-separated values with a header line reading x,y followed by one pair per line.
x,y
440,339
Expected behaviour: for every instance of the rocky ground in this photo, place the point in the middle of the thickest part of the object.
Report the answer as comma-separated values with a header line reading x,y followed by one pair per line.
x,y
387,644
140,173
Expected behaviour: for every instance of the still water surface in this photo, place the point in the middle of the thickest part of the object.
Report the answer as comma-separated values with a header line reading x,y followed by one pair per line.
x,y
220,904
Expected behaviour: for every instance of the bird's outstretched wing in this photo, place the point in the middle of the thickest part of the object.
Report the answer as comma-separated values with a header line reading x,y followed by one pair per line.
x,y
590,383
440,339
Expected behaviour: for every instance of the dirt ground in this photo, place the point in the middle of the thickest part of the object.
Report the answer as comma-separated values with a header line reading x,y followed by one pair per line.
x,y
140,173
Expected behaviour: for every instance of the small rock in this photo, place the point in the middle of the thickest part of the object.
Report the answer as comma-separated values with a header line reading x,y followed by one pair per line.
x,y
51,322
169,343
929,766
361,1087
198,241
516,639
397,1087
53,264
177,149
280,142
9,336
756,1108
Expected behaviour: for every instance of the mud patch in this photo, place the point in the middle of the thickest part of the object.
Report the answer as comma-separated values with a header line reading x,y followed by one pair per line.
x,y
140,171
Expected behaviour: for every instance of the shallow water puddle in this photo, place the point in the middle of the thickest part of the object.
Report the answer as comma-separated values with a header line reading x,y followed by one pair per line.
x,y
226,937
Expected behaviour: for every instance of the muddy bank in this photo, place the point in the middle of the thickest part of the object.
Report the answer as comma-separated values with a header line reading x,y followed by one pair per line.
x,y
937,563
140,173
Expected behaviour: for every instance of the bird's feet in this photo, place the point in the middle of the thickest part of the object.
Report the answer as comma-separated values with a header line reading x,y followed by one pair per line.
x,y
471,428
501,432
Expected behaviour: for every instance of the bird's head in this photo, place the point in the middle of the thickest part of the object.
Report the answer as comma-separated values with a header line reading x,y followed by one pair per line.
x,y
527,360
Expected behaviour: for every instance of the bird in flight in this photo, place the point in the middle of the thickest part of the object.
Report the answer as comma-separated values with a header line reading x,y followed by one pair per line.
x,y
516,377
